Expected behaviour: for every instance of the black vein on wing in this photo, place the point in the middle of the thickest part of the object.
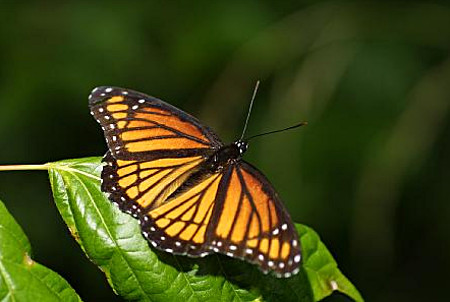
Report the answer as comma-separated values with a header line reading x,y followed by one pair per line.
x,y
178,132
200,196
252,204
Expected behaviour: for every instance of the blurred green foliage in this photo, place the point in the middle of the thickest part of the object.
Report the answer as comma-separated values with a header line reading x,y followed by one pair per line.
x,y
369,173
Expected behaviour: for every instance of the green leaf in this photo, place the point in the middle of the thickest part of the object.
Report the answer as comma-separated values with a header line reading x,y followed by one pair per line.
x,y
22,279
321,269
113,241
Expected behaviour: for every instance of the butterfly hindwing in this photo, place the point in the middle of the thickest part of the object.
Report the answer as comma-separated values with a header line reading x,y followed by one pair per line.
x,y
180,226
139,186
252,223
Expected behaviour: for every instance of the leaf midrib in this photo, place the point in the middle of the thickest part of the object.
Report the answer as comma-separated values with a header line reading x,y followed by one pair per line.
x,y
72,172
8,282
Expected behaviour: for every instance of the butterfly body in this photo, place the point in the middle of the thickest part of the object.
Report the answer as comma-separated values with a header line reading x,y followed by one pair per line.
x,y
193,194
226,155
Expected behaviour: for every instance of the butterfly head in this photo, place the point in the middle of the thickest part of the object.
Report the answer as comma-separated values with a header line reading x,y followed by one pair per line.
x,y
242,146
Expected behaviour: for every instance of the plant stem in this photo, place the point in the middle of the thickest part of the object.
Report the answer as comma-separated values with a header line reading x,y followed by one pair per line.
x,y
46,167
24,167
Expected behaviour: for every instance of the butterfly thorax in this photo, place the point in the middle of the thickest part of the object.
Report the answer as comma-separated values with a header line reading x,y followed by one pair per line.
x,y
226,155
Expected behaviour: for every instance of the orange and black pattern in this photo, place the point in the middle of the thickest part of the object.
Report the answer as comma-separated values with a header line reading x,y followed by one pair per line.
x,y
139,126
192,195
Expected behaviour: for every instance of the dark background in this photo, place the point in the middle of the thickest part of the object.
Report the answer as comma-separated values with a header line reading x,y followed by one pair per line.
x,y
370,173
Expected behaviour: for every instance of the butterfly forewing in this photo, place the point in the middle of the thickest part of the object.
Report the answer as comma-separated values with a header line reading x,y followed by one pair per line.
x,y
140,126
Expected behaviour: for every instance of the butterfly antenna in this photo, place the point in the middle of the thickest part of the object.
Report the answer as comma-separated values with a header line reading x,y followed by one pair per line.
x,y
250,109
275,131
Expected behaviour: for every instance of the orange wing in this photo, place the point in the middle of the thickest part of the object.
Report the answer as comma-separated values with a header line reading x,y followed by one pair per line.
x,y
180,225
138,126
252,223
140,186
235,212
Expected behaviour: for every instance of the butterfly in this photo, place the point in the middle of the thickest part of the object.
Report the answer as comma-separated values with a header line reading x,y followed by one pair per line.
x,y
193,194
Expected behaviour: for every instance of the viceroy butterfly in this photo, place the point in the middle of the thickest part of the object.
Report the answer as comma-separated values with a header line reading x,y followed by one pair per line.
x,y
193,194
